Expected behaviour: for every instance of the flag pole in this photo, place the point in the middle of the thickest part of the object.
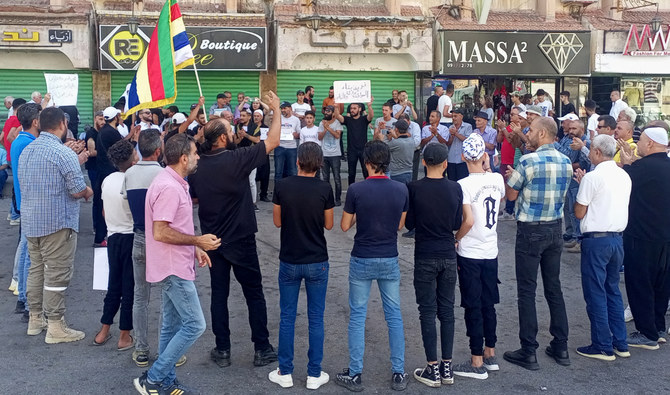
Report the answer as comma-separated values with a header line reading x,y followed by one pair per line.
x,y
197,79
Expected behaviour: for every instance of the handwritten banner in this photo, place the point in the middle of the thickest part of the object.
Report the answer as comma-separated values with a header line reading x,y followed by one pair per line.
x,y
352,91
63,88
264,133
286,134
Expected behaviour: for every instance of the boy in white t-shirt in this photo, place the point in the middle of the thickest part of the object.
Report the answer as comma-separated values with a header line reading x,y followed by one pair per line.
x,y
310,132
120,289
477,258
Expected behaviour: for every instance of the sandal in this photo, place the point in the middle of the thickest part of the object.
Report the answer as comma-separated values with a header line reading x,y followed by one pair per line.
x,y
95,343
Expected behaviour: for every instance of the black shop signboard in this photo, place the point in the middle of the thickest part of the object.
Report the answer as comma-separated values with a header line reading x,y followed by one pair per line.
x,y
214,48
516,53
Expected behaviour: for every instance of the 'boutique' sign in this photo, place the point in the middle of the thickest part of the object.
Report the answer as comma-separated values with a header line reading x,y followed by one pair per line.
x,y
214,48
514,53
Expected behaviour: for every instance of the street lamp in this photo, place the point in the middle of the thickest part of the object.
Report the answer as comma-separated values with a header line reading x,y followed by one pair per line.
x,y
133,23
656,23
314,21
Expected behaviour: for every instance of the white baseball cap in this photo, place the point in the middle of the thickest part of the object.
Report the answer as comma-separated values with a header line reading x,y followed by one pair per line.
x,y
178,118
571,117
110,113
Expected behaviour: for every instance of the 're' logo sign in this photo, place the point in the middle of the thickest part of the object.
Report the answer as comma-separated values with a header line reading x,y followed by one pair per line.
x,y
124,46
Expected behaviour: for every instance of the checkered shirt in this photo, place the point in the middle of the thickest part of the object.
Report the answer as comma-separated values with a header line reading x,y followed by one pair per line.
x,y
50,173
542,179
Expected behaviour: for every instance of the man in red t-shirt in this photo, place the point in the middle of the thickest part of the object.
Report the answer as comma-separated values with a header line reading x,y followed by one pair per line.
x,y
12,128
508,139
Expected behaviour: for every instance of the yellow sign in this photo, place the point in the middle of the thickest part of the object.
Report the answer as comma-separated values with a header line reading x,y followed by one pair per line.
x,y
21,36
125,47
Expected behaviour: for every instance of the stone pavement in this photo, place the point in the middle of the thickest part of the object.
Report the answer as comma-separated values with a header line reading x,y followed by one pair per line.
x,y
31,366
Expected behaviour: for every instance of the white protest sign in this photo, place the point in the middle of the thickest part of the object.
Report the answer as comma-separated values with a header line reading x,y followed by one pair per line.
x,y
264,133
100,269
352,91
286,134
63,88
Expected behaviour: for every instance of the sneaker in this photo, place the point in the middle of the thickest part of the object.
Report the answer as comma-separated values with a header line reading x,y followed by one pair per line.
x,y
338,203
177,388
13,285
570,243
284,380
661,337
576,249
15,222
181,361
429,375
636,339
467,370
491,364
506,217
141,358
621,352
256,209
627,314
9,217
592,352
20,307
265,357
314,383
25,318
221,358
446,374
265,199
352,383
399,381
409,234
144,387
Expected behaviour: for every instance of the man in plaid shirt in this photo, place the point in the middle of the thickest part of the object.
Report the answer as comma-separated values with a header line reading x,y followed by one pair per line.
x,y
540,182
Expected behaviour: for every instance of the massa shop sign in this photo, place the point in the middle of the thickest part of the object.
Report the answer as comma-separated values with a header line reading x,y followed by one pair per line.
x,y
515,53
214,48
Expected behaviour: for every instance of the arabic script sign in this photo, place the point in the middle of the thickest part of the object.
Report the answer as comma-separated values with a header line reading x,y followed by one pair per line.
x,y
352,91
646,43
31,36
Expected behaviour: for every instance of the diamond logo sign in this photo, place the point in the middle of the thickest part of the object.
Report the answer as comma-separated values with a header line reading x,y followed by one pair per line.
x,y
561,49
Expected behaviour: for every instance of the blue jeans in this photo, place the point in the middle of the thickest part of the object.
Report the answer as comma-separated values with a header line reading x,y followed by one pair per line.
x,y
362,271
3,179
572,229
405,178
23,260
601,259
316,284
183,323
285,162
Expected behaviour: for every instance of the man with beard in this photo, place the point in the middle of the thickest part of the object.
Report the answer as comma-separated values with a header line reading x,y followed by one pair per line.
x,y
220,186
330,132
222,103
330,101
357,136
246,135
146,119
92,162
263,171
309,96
540,182
431,103
286,154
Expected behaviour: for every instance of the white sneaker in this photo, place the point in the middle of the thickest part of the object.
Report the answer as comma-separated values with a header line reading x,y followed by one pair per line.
x,y
314,383
627,315
13,285
284,380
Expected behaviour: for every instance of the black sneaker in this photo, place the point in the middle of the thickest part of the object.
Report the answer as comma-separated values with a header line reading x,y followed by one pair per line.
x,y
20,307
221,358
430,375
338,203
265,357
265,199
399,381
409,234
143,386
256,209
446,374
351,383
178,388
141,358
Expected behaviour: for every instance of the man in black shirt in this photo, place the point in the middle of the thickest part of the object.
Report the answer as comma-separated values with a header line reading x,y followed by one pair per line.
x,y
107,136
435,260
303,207
646,240
221,188
431,103
92,162
357,136
566,106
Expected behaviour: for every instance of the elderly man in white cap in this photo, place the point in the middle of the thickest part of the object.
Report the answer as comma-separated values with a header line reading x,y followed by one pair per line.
x,y
646,240
602,207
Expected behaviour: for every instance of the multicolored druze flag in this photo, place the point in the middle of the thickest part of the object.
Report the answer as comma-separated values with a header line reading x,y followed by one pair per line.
x,y
155,83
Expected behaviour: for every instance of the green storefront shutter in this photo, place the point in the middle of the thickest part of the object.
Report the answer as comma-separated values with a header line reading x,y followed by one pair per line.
x,y
383,83
212,82
22,83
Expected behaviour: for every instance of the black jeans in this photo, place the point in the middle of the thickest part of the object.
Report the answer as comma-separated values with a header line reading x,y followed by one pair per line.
x,y
242,257
434,286
333,163
121,283
540,246
263,176
647,273
457,171
353,157
98,219
478,281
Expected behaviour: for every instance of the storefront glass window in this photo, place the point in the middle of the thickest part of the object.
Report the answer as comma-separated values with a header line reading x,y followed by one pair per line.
x,y
648,96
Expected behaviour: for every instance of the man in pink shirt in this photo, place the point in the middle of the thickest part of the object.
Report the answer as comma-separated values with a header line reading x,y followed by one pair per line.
x,y
171,250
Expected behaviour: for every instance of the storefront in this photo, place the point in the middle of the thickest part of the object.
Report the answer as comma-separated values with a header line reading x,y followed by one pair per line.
x,y
637,63
27,52
227,59
495,63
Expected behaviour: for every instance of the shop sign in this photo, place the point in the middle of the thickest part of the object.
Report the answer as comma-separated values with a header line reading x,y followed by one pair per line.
x,y
32,36
646,43
515,53
60,36
214,48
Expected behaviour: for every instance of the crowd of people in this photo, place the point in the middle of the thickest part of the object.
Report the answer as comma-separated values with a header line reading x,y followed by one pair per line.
x,y
590,188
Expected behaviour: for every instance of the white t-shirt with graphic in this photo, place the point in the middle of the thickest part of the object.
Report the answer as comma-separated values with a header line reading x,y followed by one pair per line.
x,y
331,145
546,107
310,134
483,192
